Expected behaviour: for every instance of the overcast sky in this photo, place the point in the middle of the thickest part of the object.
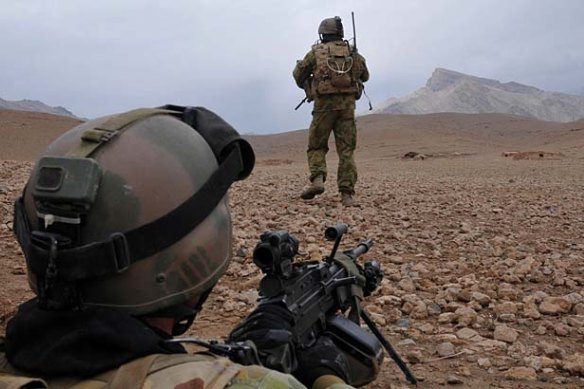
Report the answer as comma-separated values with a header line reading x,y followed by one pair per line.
x,y
236,56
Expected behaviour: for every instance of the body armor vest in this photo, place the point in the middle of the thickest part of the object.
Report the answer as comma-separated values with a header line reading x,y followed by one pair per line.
x,y
335,71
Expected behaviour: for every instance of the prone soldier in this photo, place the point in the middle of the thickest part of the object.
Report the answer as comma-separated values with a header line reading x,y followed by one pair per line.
x,y
125,228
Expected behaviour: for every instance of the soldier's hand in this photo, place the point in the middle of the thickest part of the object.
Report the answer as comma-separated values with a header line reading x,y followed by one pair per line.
x,y
344,350
269,328
322,359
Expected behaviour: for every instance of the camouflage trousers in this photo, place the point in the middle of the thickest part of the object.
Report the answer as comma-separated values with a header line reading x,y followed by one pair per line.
x,y
342,124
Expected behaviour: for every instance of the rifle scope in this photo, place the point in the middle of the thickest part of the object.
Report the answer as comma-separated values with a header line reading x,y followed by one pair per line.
x,y
275,252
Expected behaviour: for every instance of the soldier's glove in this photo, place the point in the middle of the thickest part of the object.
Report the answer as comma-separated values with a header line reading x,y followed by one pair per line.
x,y
323,358
345,350
269,328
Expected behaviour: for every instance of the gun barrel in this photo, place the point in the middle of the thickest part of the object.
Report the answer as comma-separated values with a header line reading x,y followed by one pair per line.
x,y
361,248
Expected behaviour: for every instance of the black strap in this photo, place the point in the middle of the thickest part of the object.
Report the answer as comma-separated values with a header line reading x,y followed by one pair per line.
x,y
219,134
122,249
150,238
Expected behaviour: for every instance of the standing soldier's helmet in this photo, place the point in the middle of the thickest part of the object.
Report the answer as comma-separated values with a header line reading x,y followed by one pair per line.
x,y
130,211
331,26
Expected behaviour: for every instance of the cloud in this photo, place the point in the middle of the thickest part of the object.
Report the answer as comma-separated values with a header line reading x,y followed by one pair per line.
x,y
96,58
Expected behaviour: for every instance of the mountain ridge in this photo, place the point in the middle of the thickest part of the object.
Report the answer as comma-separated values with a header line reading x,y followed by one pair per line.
x,y
451,91
35,106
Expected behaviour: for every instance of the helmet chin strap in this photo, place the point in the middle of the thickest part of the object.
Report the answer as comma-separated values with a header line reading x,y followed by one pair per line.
x,y
182,314
181,325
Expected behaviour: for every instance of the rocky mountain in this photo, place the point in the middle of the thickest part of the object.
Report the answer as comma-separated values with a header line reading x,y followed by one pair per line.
x,y
34,106
450,91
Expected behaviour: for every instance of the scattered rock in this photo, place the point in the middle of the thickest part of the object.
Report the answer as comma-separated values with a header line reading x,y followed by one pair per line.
x,y
465,316
406,342
481,298
454,380
445,349
539,363
420,311
555,305
551,350
505,334
491,344
506,307
414,356
407,285
378,319
574,364
562,329
468,334
433,309
521,374
403,323
242,252
249,297
448,317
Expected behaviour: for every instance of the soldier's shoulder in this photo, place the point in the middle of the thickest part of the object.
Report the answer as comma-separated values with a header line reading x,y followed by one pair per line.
x,y
172,370
317,46
260,377
359,56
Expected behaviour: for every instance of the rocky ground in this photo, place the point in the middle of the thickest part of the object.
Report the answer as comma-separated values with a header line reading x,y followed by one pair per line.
x,y
483,259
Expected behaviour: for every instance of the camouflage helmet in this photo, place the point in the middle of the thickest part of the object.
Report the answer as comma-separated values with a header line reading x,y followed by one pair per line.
x,y
331,26
130,211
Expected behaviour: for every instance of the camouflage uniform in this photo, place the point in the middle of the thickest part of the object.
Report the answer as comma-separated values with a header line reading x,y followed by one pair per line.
x,y
166,371
334,110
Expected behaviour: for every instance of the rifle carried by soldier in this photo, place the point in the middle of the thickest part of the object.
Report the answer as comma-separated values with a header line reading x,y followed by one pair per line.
x,y
308,98
315,296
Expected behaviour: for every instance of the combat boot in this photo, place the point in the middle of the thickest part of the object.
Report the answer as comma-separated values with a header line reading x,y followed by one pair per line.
x,y
316,187
347,200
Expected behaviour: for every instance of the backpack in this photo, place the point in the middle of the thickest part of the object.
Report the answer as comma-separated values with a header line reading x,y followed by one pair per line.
x,y
335,71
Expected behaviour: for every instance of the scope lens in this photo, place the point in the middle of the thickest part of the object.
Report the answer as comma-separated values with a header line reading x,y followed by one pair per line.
x,y
263,257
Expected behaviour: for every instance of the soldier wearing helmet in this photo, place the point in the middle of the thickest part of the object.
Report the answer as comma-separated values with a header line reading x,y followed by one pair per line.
x,y
332,73
125,227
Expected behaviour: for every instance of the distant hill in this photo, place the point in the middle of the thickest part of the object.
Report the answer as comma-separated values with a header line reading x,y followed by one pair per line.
x,y
25,134
34,106
449,91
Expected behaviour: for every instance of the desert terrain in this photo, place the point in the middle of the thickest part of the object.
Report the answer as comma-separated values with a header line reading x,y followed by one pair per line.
x,y
483,253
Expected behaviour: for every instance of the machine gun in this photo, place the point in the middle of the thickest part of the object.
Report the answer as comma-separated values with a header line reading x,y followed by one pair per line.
x,y
318,293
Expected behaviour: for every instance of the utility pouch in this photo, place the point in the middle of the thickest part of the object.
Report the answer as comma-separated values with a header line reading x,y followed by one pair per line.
x,y
340,64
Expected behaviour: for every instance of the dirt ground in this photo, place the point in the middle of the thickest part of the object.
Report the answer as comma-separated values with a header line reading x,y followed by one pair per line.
x,y
483,255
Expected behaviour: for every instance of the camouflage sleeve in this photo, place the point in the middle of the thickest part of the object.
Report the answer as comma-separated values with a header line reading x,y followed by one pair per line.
x,y
258,377
330,382
364,71
303,69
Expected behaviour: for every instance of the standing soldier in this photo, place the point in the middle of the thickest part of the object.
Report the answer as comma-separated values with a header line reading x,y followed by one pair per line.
x,y
332,74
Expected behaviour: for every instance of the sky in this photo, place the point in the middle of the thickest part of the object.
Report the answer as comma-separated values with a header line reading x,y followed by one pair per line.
x,y
236,57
